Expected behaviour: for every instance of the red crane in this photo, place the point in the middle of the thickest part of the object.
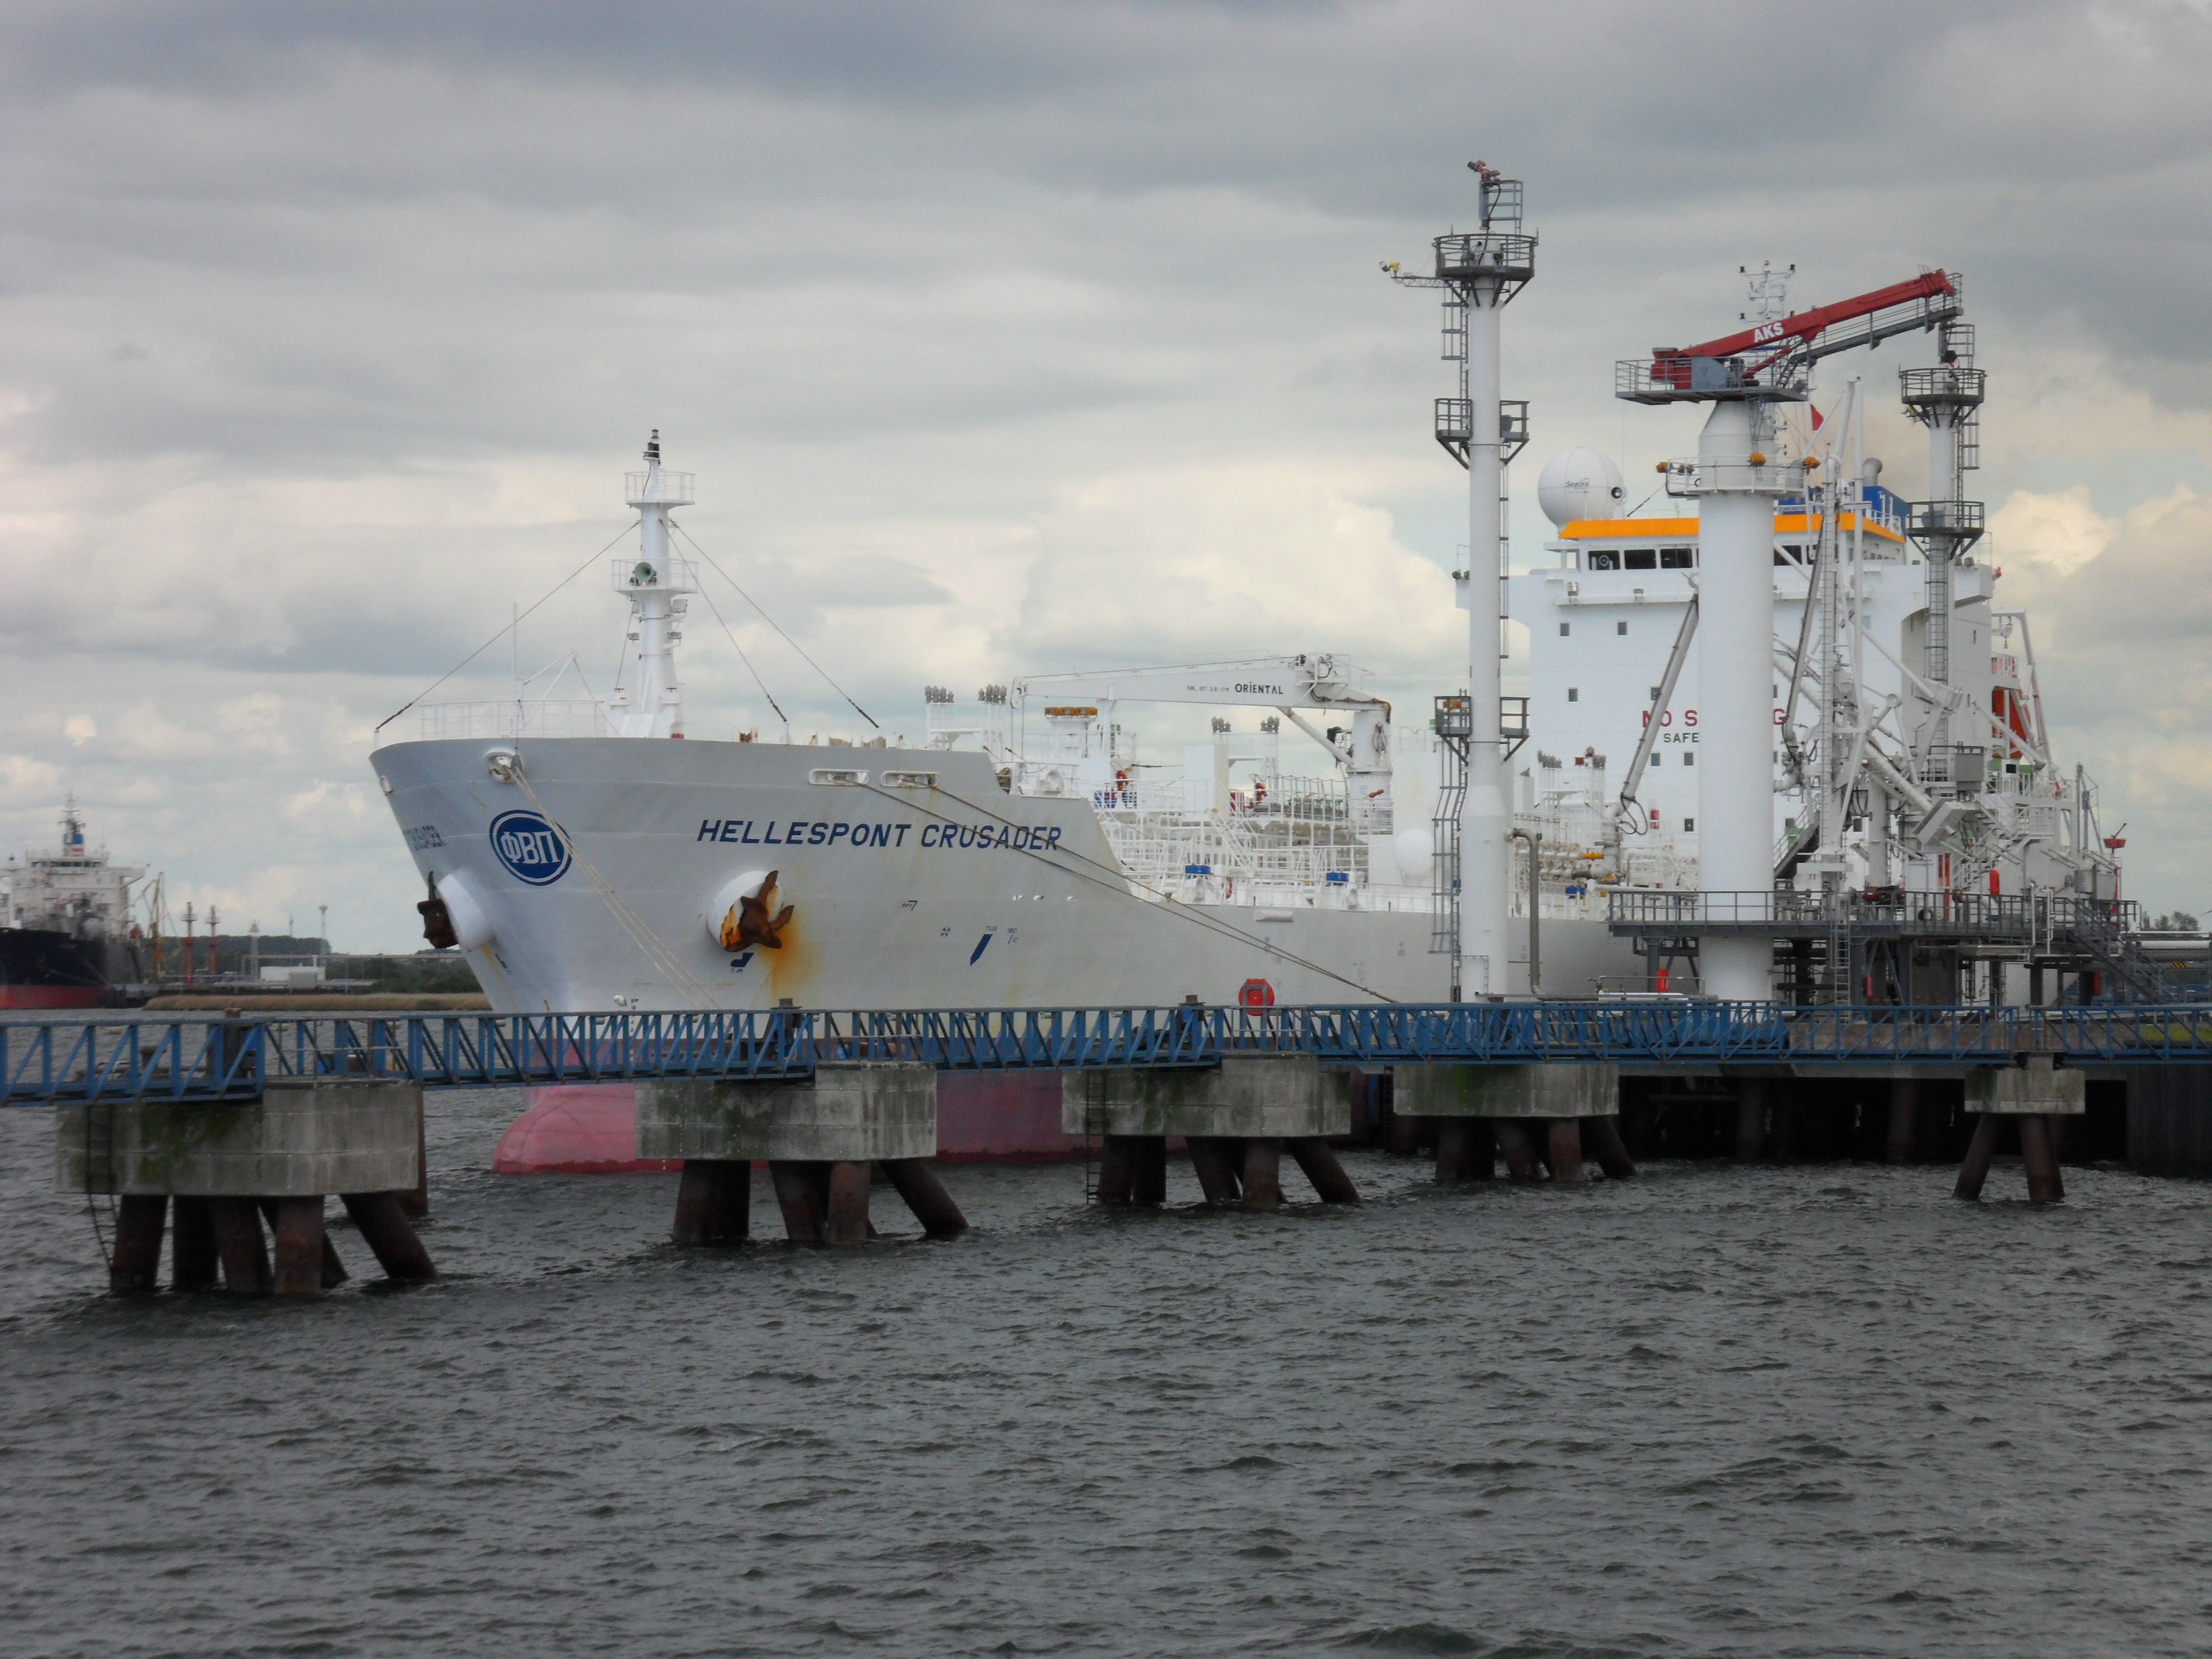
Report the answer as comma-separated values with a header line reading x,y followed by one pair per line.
x,y
1931,298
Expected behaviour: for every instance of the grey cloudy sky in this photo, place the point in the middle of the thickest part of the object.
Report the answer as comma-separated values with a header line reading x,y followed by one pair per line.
x,y
1002,337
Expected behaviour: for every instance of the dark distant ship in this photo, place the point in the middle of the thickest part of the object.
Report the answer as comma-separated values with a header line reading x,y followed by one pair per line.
x,y
65,925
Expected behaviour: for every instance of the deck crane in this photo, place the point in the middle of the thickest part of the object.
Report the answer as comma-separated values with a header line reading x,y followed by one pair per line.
x,y
1738,478
1791,344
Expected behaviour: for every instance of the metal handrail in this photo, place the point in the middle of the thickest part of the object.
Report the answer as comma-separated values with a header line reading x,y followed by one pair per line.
x,y
215,1059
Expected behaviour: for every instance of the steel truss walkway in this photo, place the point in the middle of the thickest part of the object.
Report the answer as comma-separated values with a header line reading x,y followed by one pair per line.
x,y
210,1058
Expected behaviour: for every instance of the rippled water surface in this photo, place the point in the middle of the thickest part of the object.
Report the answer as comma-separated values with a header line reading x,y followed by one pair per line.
x,y
1819,1410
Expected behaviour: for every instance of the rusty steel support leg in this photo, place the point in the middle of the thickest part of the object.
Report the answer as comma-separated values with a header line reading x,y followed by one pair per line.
x,y
1455,1155
192,1246
1319,1162
695,1200
1149,1171
238,1243
2038,1150
1514,1147
389,1235
916,1181
1602,1141
848,1203
1980,1151
1263,1173
1117,1169
713,1202
1904,1107
415,1200
1750,1120
1565,1139
1215,1160
802,1192
135,1265
298,1227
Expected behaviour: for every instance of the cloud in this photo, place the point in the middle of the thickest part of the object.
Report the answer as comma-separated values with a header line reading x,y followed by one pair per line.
x,y
1003,337
80,728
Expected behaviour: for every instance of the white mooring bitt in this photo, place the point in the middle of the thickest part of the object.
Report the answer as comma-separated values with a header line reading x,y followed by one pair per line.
x,y
849,1112
1269,1096
1518,1091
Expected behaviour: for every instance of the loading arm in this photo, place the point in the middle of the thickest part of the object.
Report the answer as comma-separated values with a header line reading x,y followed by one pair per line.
x,y
1634,776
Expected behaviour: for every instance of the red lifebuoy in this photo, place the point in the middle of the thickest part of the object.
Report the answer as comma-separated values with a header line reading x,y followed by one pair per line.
x,y
1255,994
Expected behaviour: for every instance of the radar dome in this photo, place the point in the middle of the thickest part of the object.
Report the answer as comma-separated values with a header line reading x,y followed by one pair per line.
x,y
1581,483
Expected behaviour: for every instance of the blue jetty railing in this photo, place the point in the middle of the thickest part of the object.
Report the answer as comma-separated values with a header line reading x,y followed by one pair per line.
x,y
213,1058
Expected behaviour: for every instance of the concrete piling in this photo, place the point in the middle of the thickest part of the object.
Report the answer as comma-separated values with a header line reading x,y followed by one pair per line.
x,y
802,1194
1216,1160
134,1266
1564,1136
1263,1173
384,1227
191,1245
820,1138
2033,1093
298,1228
1602,1142
916,1181
1235,1120
713,1202
230,1164
848,1203
1320,1165
1979,1152
1516,1148
1904,1107
2040,1152
1149,1171
239,1247
1531,1115
1750,1120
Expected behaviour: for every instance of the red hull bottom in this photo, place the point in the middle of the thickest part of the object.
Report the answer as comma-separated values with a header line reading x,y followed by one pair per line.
x,y
591,1128
53,996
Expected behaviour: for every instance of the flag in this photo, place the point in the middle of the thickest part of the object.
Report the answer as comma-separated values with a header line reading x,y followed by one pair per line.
x,y
1817,421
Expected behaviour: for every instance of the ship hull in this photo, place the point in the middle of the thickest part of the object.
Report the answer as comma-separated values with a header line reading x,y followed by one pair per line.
x,y
41,968
954,894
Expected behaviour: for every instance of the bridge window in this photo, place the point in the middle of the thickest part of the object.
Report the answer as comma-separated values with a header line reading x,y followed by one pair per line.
x,y
1574,694
1564,628
1690,825
1689,757
1604,559
1642,559
1677,558
1621,628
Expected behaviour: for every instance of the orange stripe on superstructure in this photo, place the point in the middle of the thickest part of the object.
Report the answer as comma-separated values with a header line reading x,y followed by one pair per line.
x,y
1651,530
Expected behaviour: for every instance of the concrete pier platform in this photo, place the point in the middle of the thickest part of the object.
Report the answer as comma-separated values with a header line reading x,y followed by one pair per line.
x,y
2033,1095
1237,1121
1538,1119
229,1167
822,1138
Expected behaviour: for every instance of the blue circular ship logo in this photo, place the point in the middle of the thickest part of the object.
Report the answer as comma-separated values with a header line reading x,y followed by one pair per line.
x,y
530,848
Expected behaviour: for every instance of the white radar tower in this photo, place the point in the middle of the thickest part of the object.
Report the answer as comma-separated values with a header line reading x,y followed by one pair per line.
x,y
656,583
1480,271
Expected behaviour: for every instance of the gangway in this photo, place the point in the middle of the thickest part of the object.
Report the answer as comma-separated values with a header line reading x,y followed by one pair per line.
x,y
213,1059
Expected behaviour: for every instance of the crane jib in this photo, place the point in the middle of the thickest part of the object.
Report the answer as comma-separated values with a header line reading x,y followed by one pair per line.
x,y
1810,324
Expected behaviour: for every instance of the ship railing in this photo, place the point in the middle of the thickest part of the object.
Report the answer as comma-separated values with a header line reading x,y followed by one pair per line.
x,y
204,1061
531,717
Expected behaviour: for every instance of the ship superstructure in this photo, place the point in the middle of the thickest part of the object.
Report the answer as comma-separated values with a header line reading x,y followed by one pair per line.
x,y
1786,743
65,923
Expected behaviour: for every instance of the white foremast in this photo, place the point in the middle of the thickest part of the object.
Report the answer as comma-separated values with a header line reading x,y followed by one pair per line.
x,y
655,583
